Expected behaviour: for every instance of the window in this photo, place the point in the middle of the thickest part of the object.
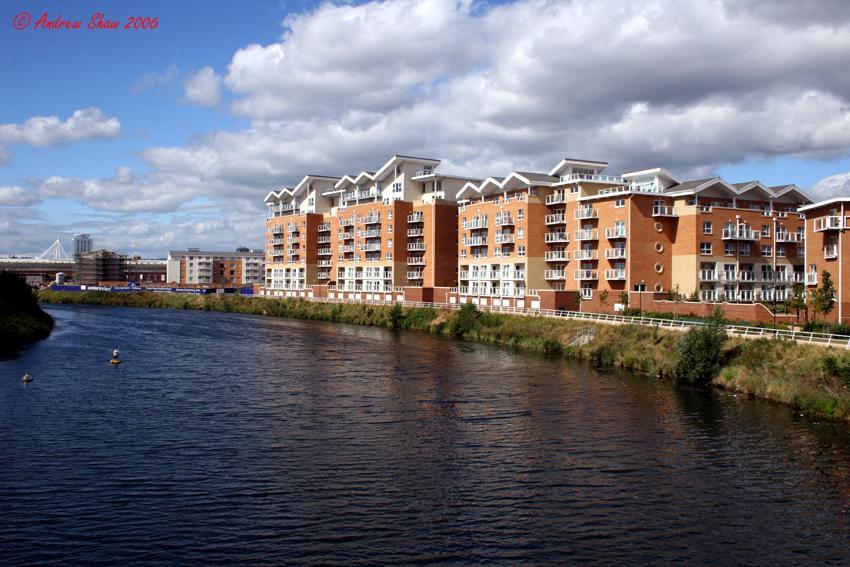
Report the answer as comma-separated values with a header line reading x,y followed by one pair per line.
x,y
692,202
389,255
497,252
463,253
390,242
765,231
744,249
520,214
620,203
728,249
521,250
780,250
706,227
390,228
389,215
766,250
705,248
520,233
397,187
573,189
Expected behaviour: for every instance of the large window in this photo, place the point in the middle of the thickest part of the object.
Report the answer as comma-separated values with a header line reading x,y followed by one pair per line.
x,y
705,248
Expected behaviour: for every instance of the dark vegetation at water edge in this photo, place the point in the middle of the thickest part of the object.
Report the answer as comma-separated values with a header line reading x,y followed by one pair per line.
x,y
810,378
21,319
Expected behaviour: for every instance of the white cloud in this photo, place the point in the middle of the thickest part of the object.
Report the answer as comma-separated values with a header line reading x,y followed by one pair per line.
x,y
833,186
17,197
45,131
494,87
203,88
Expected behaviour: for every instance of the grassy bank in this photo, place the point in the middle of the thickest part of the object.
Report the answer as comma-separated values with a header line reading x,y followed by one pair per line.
x,y
22,321
813,379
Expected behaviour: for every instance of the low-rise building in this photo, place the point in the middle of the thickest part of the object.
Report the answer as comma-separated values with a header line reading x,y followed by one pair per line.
x,y
225,268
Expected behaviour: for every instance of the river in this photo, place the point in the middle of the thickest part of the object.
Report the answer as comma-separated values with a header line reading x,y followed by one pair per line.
x,y
225,438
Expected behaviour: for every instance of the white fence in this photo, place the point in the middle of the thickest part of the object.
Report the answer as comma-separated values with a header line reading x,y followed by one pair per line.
x,y
823,339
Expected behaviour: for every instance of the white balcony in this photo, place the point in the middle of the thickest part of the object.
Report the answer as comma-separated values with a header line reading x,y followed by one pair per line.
x,y
555,274
324,263
474,224
346,235
323,274
615,232
474,241
415,232
324,227
556,198
615,274
415,246
828,223
586,255
583,275
586,213
740,234
504,238
591,177
324,240
504,220
372,233
830,251
415,261
707,276
746,276
415,275
372,218
663,211
615,254
557,256
789,237
586,235
559,236
324,252
371,247
418,216
558,218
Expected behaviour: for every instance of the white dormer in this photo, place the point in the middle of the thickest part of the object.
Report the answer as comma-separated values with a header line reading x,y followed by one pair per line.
x,y
569,168
654,180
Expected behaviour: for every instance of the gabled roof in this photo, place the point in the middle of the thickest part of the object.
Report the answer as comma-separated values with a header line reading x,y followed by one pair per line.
x,y
749,187
517,179
792,192
311,177
600,165
384,169
654,172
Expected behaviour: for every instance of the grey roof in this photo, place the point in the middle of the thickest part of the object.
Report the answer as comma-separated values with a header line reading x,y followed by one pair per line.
x,y
543,177
689,185
744,184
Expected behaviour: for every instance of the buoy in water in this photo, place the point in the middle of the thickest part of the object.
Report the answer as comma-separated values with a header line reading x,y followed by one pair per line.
x,y
27,377
114,361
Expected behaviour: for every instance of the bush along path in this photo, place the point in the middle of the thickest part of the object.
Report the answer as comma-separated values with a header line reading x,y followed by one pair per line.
x,y
812,379
22,320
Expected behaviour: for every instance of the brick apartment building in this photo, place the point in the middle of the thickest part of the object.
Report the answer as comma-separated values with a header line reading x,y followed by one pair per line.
x,y
572,237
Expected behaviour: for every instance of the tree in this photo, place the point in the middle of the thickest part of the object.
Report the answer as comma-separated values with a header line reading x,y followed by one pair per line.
x,y
700,351
824,296
603,296
797,301
624,298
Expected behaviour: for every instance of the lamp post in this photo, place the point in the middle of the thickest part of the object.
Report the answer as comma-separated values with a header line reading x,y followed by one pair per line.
x,y
640,296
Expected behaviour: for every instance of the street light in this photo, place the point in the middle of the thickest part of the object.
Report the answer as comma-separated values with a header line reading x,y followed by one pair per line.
x,y
640,296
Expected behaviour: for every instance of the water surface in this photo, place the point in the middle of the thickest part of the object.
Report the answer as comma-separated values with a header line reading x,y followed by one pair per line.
x,y
227,438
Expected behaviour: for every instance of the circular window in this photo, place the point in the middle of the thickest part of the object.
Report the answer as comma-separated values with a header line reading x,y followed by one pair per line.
x,y
659,247
658,267
659,288
659,227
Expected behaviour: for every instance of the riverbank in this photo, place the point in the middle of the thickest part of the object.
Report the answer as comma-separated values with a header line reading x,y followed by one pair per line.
x,y
812,379
22,321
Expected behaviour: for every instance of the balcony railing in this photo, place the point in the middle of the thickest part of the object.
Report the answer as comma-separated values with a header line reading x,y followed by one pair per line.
x,y
828,223
415,275
415,261
830,251
372,218
615,232
415,232
586,235
582,275
372,233
324,227
557,218
556,198
418,216
615,274
555,274
416,246
512,274
789,237
478,222
474,241
558,236
504,238
707,276
504,220
663,211
740,234
324,252
591,177
586,213
586,255
557,256
324,263
615,253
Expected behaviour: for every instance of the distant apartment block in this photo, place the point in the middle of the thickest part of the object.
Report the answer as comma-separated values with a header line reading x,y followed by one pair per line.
x,y
571,237
225,268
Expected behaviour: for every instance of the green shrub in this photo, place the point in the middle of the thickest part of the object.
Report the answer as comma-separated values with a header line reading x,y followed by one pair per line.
x,y
700,353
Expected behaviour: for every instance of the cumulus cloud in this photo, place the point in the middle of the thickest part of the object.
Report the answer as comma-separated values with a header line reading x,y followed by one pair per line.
x,y
203,88
832,186
491,87
17,197
45,131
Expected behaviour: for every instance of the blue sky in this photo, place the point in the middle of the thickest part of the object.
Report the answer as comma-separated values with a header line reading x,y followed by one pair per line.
x,y
154,163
